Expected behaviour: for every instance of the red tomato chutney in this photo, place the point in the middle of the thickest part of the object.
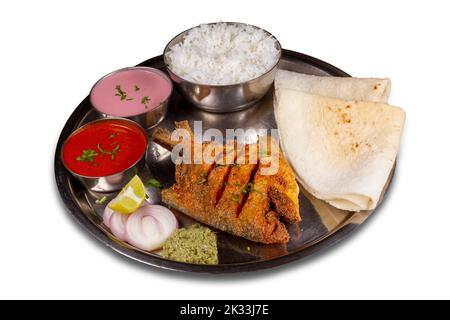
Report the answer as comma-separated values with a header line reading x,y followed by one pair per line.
x,y
103,148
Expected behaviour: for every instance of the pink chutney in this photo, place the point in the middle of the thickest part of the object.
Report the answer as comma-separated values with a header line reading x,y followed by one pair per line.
x,y
130,92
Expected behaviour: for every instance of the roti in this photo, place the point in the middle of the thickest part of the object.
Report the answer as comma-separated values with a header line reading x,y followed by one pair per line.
x,y
346,88
342,151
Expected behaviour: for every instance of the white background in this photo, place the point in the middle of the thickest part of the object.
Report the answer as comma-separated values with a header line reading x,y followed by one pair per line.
x,y
53,51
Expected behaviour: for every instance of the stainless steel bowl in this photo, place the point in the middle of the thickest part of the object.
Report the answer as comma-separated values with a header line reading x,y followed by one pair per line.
x,y
223,98
147,119
115,181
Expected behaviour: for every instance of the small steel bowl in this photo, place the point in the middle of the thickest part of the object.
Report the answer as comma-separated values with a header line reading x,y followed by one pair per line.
x,y
223,98
147,119
115,181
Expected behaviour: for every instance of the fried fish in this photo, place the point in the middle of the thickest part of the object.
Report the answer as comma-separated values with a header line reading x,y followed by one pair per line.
x,y
235,198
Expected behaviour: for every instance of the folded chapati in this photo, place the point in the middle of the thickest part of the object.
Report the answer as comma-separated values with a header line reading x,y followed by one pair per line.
x,y
342,151
346,88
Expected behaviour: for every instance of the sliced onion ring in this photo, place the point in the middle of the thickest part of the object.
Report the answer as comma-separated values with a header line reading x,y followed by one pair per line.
x,y
107,214
118,224
150,226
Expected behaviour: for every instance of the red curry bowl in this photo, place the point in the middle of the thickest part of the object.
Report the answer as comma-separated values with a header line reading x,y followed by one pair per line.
x,y
105,154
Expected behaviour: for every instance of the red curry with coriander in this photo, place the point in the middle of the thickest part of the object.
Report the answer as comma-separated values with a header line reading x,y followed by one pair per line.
x,y
103,148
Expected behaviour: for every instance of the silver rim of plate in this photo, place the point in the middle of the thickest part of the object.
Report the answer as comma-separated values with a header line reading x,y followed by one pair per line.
x,y
321,226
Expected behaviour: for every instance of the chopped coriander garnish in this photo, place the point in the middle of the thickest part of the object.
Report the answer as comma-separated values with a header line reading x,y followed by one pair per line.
x,y
101,200
114,152
100,149
235,197
113,135
136,88
129,99
154,183
145,100
108,152
247,188
202,178
87,155
250,187
120,93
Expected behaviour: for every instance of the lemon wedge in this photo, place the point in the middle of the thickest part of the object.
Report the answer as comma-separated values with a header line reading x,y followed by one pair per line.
x,y
130,198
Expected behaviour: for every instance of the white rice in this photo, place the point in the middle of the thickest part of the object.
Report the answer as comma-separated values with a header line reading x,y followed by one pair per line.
x,y
221,54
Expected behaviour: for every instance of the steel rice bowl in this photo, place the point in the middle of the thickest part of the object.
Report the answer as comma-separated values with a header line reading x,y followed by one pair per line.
x,y
223,98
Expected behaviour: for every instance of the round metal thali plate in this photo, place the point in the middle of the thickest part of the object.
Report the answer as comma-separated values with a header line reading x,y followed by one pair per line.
x,y
322,225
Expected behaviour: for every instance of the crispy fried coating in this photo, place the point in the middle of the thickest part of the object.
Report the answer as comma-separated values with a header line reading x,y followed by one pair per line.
x,y
235,198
